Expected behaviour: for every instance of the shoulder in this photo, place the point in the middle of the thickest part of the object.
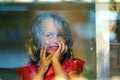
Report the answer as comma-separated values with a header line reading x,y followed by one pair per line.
x,y
73,64
74,61
28,68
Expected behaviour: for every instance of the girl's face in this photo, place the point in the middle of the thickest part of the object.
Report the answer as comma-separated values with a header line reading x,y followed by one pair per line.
x,y
51,35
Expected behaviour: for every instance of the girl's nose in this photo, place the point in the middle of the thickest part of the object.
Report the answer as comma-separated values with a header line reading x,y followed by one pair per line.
x,y
55,39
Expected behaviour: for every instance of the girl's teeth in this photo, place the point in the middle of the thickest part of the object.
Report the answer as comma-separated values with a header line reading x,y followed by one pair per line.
x,y
54,48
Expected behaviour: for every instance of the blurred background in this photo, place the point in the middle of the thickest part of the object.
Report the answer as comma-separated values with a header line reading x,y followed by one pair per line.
x,y
15,21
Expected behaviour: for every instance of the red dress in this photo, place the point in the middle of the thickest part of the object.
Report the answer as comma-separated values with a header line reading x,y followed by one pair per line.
x,y
27,72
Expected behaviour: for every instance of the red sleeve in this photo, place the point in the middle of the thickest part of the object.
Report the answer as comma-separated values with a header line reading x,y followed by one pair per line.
x,y
27,72
73,64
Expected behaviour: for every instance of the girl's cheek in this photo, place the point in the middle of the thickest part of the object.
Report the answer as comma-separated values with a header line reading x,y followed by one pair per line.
x,y
62,40
46,42
43,43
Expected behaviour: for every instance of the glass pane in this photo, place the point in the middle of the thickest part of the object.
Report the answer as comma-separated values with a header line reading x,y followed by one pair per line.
x,y
14,26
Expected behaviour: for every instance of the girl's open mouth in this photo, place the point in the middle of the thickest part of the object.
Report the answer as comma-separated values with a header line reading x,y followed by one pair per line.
x,y
54,48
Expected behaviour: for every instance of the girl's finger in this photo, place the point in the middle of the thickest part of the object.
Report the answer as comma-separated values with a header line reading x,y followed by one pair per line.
x,y
44,52
65,49
50,57
41,52
63,46
60,47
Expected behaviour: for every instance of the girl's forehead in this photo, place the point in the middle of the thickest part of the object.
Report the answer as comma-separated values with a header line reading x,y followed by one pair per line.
x,y
50,21
50,24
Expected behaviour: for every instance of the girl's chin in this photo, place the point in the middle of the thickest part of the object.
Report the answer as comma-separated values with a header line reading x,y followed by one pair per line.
x,y
51,52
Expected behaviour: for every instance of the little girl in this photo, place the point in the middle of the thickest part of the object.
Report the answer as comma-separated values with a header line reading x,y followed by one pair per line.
x,y
50,48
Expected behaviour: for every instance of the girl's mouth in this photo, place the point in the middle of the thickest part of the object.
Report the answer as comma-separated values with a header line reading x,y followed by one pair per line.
x,y
54,48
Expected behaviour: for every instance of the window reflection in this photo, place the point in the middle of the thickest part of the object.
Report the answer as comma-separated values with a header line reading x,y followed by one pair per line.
x,y
114,41
47,0
23,0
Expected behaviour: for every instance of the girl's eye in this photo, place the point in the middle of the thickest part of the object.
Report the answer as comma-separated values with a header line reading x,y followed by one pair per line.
x,y
59,35
48,35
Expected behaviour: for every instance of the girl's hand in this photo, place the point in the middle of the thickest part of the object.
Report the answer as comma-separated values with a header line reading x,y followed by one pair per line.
x,y
61,50
58,70
44,61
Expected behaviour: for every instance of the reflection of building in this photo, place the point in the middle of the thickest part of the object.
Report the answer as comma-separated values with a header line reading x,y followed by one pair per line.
x,y
115,58
115,40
